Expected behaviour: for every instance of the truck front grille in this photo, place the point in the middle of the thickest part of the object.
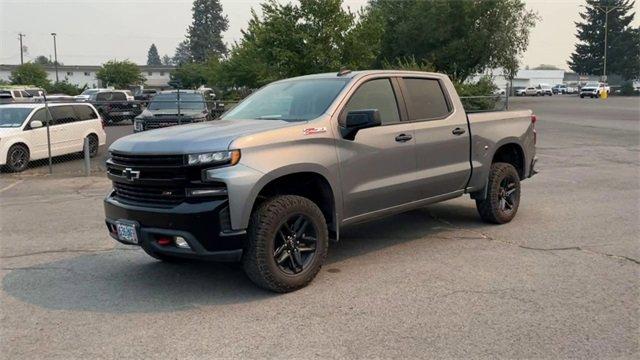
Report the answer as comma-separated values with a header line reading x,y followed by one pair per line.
x,y
146,160
149,194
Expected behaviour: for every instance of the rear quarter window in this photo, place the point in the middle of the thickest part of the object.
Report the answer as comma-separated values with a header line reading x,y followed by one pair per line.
x,y
63,114
425,99
84,112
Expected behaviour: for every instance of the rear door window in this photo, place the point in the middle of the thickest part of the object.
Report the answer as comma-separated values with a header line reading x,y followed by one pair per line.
x,y
119,96
425,99
63,114
376,94
104,96
84,112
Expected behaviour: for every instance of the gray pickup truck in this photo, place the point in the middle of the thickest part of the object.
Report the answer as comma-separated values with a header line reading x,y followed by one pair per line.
x,y
297,161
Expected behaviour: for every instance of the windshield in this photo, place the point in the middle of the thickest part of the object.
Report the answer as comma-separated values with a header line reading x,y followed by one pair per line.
x,y
592,84
289,100
90,92
189,101
13,116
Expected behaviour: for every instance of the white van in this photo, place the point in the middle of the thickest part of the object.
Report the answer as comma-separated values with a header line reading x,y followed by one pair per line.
x,y
23,132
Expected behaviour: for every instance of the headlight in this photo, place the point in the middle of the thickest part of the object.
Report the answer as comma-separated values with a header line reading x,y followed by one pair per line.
x,y
230,157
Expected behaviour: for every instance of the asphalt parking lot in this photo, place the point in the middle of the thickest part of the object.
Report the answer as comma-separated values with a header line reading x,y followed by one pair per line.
x,y
561,280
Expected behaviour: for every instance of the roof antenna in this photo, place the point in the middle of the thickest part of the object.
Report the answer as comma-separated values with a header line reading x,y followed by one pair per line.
x,y
343,71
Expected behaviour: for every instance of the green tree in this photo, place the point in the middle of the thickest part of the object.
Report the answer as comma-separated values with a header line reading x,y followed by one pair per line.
x,y
183,53
29,74
546,67
42,60
120,74
297,39
205,32
166,60
64,87
623,44
193,75
152,56
460,38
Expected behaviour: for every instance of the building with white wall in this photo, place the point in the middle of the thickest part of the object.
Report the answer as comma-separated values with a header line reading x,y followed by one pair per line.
x,y
85,75
524,77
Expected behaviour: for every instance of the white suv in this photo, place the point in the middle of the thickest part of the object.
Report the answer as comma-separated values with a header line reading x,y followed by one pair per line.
x,y
23,133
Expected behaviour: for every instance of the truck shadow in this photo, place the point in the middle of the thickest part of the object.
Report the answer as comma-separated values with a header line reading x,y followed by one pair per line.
x,y
128,281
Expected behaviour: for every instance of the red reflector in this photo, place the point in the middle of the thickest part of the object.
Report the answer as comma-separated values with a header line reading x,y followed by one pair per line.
x,y
534,119
164,241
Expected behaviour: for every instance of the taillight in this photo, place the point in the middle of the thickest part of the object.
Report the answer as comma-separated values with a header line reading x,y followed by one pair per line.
x,y
533,119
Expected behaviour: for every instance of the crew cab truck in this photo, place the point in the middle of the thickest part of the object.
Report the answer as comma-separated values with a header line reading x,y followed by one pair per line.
x,y
300,159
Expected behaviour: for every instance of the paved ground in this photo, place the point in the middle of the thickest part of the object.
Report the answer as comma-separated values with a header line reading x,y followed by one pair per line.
x,y
561,280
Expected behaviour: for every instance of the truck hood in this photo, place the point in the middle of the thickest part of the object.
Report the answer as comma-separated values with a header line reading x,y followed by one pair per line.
x,y
194,138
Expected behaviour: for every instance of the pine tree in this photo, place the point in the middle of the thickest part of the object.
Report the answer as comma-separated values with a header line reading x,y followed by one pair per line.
x,y
205,32
623,51
152,56
183,53
166,60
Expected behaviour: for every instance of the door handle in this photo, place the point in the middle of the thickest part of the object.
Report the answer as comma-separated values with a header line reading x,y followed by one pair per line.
x,y
458,131
403,138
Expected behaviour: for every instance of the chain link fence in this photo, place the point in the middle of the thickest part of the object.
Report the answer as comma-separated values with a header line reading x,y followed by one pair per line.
x,y
69,136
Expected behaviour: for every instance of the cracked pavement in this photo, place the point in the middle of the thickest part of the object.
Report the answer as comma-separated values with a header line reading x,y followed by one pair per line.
x,y
560,281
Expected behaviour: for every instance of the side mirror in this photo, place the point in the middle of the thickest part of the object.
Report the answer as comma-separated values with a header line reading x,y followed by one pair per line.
x,y
356,120
35,124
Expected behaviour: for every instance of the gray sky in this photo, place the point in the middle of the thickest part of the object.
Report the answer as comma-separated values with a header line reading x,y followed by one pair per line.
x,y
93,31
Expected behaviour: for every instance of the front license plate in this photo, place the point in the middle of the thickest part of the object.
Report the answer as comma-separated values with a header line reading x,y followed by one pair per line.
x,y
127,233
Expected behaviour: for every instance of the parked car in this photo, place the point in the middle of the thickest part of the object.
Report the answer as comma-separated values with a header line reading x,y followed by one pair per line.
x,y
145,95
15,96
594,89
519,90
163,110
86,94
301,159
114,106
23,133
528,91
543,89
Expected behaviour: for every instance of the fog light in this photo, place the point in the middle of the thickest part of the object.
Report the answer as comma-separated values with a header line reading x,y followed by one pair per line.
x,y
181,243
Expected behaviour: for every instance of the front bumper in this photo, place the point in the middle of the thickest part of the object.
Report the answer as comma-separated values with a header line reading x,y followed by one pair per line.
x,y
200,224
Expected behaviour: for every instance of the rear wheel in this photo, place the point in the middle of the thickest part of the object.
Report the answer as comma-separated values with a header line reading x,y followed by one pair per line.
x,y
503,195
17,158
287,243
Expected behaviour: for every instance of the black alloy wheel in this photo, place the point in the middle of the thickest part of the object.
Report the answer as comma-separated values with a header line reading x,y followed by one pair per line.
x,y
17,158
295,244
507,195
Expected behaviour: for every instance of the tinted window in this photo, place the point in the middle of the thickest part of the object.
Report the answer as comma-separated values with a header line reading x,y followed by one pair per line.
x,y
41,115
63,114
168,101
85,112
376,94
118,96
425,99
104,96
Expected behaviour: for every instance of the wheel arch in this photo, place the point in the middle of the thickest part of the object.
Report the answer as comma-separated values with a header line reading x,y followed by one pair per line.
x,y
511,153
9,144
309,180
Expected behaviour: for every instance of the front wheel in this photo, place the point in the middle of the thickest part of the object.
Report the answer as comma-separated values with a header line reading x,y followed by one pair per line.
x,y
503,195
17,158
287,243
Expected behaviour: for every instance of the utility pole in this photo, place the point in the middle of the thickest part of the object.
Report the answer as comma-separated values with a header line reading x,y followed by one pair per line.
x,y
55,54
20,36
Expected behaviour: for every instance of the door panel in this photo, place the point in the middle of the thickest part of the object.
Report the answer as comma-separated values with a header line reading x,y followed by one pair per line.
x,y
38,137
377,170
441,135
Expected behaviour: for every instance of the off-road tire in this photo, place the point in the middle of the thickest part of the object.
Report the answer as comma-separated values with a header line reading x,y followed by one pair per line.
x,y
489,208
10,167
258,261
